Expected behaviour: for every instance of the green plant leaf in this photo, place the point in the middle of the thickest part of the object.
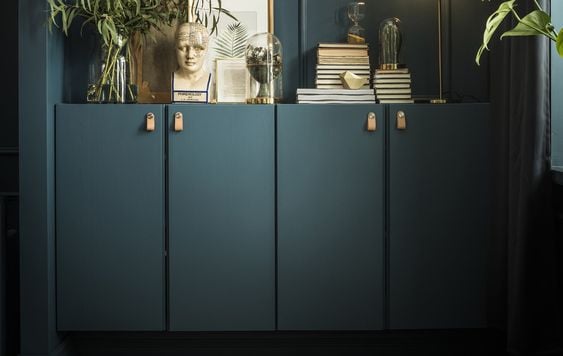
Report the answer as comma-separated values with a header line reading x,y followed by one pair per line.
x,y
533,24
231,43
559,43
493,22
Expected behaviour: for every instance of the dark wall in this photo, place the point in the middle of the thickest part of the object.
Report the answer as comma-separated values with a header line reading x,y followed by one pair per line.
x,y
9,275
9,95
9,245
463,24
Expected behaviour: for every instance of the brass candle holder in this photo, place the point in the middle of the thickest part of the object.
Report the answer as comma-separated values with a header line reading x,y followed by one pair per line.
x,y
439,100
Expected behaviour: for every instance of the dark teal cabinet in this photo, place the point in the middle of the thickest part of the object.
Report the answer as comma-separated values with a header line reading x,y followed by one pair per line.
x,y
221,212
440,203
257,218
110,218
331,203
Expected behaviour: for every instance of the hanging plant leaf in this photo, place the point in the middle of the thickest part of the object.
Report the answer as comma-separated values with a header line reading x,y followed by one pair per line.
x,y
535,23
559,43
493,22
231,43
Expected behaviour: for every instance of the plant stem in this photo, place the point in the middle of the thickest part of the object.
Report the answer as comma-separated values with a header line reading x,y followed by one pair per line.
x,y
516,15
104,77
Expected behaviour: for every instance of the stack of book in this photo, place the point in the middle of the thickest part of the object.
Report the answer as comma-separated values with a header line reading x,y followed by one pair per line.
x,y
335,96
393,85
336,58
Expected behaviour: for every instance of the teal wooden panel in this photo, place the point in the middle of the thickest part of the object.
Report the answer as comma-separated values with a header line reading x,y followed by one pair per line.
x,y
221,218
440,216
330,218
40,87
287,30
110,218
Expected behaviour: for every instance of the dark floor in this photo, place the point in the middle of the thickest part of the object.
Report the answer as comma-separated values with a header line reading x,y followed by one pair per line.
x,y
435,343
9,272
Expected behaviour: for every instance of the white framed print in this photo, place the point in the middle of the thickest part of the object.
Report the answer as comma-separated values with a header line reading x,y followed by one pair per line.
x,y
229,43
231,81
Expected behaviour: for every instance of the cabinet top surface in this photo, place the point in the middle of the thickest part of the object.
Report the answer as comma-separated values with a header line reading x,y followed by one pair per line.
x,y
231,105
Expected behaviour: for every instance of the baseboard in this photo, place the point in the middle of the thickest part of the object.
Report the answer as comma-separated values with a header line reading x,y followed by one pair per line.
x,y
431,343
63,349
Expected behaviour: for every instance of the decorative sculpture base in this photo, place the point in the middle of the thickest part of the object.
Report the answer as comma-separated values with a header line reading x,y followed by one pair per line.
x,y
262,100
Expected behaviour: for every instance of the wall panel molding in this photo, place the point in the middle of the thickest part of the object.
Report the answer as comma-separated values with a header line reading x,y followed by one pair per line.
x,y
9,150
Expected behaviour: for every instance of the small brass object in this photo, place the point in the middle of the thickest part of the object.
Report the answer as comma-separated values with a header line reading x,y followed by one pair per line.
x,y
372,122
178,122
151,125
261,100
401,121
352,81
389,66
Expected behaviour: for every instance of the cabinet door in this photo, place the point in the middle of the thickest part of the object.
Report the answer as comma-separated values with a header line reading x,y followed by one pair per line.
x,y
221,216
330,218
109,218
440,208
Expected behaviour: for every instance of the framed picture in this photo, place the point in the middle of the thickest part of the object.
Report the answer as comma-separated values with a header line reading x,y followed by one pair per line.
x,y
155,64
158,59
231,81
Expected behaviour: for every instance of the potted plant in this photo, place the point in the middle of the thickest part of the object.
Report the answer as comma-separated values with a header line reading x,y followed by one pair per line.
x,y
122,26
536,23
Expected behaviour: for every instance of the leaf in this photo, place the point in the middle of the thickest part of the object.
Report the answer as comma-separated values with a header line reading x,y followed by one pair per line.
x,y
65,22
535,23
559,43
231,43
113,18
215,23
493,22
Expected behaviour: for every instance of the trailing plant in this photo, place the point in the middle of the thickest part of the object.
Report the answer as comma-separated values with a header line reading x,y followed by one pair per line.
x,y
117,22
231,43
536,23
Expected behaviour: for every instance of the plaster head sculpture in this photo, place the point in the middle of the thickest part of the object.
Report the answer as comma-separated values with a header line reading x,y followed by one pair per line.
x,y
192,40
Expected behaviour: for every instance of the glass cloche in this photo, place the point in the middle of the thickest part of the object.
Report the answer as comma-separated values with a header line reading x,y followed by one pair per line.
x,y
390,41
264,64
